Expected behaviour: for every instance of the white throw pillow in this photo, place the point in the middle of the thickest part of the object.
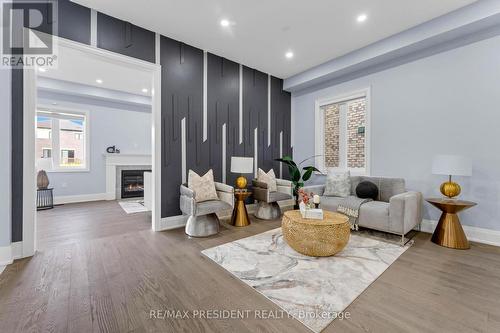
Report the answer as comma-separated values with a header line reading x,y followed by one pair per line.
x,y
267,178
203,187
338,185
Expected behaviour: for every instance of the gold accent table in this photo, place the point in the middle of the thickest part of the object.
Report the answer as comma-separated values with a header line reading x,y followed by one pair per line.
x,y
449,232
239,218
316,238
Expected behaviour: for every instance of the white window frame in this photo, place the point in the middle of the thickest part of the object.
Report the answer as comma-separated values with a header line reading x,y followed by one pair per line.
x,y
319,145
55,139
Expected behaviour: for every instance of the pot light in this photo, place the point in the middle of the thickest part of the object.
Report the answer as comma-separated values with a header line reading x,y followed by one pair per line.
x,y
98,81
289,55
41,69
224,23
145,90
361,18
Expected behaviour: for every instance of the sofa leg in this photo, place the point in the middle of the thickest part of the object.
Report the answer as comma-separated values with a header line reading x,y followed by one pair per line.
x,y
267,211
202,226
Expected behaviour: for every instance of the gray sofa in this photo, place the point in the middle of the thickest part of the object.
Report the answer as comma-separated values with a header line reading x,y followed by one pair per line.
x,y
395,211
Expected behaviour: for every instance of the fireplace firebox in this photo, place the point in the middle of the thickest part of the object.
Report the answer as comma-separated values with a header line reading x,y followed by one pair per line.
x,y
132,183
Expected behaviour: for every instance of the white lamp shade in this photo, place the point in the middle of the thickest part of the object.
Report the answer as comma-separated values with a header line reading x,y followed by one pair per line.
x,y
241,164
44,164
452,165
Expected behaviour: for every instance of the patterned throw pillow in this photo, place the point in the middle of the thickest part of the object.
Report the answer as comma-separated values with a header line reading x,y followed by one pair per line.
x,y
203,187
267,178
338,185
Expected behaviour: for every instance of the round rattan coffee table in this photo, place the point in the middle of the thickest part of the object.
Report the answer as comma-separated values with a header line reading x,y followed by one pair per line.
x,y
316,238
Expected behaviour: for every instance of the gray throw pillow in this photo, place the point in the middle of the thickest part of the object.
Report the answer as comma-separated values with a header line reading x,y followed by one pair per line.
x,y
338,185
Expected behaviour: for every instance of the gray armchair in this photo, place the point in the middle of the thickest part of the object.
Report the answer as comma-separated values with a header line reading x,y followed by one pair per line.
x,y
267,206
202,220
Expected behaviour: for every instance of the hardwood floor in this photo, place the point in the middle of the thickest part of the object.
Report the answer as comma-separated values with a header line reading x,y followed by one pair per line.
x,y
100,270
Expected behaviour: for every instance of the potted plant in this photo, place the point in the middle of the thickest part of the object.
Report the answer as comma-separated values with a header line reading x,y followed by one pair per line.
x,y
298,176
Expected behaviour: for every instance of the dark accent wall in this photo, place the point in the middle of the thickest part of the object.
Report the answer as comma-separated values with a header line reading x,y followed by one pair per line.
x,y
181,97
125,38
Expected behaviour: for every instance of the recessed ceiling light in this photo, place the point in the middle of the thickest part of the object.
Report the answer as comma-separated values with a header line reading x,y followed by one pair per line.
x,y
361,18
41,69
289,55
145,90
224,23
98,81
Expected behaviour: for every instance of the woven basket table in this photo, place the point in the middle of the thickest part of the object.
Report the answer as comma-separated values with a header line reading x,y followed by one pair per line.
x,y
316,238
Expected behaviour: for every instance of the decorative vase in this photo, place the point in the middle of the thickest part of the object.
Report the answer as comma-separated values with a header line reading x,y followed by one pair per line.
x,y
42,180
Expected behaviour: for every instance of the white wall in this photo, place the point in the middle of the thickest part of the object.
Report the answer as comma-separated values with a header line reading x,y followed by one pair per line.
x,y
5,153
447,103
130,131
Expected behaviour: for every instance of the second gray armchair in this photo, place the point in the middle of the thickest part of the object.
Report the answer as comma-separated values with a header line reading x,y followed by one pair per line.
x,y
267,206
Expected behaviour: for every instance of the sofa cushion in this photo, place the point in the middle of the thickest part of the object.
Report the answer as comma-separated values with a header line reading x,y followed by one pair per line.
x,y
367,190
212,206
374,215
330,203
338,185
387,187
268,178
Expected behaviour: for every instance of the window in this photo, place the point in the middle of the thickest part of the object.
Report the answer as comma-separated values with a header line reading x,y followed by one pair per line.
x,y
65,133
342,133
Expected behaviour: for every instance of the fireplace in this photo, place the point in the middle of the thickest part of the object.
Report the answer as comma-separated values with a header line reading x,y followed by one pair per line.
x,y
132,183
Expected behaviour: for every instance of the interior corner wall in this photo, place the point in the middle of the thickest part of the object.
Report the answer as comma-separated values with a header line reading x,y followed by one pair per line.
x,y
184,64
5,152
444,104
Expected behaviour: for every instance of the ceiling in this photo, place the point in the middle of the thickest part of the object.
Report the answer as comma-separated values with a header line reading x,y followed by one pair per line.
x,y
74,65
262,31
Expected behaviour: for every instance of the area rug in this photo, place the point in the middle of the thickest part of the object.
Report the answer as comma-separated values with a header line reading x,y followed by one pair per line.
x,y
315,291
133,206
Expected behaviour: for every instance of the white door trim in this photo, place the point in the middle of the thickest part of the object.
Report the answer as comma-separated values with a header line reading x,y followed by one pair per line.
x,y
29,113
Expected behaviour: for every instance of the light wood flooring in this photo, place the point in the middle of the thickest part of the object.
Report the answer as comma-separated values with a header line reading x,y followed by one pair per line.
x,y
101,270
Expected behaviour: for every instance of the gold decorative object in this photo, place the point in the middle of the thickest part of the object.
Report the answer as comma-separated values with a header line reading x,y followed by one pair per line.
x,y
241,182
316,238
450,189
449,232
239,218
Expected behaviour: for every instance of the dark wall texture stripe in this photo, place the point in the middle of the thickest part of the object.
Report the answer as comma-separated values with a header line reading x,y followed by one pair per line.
x,y
182,98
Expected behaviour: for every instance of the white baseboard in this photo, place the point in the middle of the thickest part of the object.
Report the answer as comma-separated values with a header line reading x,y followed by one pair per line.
x,y
475,234
10,253
6,255
66,199
173,222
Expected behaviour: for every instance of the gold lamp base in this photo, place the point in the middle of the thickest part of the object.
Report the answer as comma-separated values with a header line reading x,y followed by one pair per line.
x,y
450,189
241,182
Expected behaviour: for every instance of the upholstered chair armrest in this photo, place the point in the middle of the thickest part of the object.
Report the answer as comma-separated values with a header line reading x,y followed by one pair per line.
x,y
256,183
225,193
220,187
284,186
186,201
405,211
316,189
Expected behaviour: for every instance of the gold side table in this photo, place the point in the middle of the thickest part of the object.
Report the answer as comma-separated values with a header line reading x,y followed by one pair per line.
x,y
449,232
239,218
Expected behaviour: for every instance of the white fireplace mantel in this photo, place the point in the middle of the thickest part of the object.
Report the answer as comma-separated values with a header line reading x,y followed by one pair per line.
x,y
113,161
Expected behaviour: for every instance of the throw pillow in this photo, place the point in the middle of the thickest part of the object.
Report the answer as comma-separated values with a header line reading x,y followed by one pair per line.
x,y
367,190
267,178
338,185
203,187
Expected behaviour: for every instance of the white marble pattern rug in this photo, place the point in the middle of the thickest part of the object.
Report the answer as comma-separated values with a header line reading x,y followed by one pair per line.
x,y
133,206
315,291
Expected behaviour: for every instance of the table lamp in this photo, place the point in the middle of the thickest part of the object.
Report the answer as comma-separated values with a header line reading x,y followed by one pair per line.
x,y
241,165
451,165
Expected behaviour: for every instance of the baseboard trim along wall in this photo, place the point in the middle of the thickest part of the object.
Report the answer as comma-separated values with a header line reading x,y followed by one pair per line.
x,y
10,253
66,199
475,234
